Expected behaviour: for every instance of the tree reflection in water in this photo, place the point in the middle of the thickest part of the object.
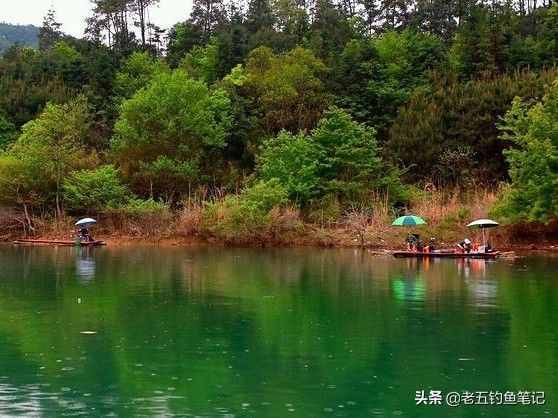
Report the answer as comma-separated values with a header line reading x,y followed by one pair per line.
x,y
246,332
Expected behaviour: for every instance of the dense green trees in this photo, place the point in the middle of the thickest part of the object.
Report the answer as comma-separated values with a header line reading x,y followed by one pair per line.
x,y
7,132
340,158
374,77
95,189
533,193
286,89
33,169
323,101
169,135
449,134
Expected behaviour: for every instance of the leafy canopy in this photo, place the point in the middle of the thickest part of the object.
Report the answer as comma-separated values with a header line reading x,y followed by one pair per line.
x,y
533,193
95,189
49,148
287,89
174,123
339,157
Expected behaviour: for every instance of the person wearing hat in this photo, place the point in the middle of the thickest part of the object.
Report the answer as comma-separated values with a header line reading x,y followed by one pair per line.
x,y
465,245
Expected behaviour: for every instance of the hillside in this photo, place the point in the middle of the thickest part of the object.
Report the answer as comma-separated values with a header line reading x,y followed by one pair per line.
x,y
21,34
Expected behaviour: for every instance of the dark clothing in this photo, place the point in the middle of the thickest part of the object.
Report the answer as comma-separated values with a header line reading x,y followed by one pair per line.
x,y
413,242
465,246
84,235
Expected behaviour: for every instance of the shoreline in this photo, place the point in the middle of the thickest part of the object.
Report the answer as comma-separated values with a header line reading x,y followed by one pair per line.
x,y
185,242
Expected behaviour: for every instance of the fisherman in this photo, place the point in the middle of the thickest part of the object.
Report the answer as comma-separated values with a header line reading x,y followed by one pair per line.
x,y
431,246
84,235
420,244
465,245
412,242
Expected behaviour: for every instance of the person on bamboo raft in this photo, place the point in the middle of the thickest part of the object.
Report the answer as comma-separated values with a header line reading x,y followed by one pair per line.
x,y
414,243
431,247
84,235
465,246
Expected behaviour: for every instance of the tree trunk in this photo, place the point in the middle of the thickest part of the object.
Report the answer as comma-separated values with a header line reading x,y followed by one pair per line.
x,y
27,218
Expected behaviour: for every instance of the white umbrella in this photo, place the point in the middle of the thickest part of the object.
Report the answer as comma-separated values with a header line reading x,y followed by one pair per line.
x,y
86,222
483,224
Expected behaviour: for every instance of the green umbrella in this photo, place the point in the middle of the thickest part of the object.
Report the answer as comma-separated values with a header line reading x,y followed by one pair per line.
x,y
409,220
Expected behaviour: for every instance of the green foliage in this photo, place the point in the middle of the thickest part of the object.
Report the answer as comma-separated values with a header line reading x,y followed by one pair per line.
x,y
22,181
202,63
287,89
182,38
48,149
293,160
340,157
533,193
242,77
8,132
248,215
263,196
350,161
176,118
373,78
95,189
449,135
136,73
496,39
28,80
140,208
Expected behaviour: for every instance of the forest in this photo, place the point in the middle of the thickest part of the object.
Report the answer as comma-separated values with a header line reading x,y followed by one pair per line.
x,y
253,121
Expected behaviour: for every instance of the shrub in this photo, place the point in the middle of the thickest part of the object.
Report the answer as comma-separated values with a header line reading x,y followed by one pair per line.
x,y
95,189
340,157
293,161
142,217
258,213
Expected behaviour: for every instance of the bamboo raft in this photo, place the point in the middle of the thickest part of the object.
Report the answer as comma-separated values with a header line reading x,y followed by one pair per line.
x,y
63,243
446,254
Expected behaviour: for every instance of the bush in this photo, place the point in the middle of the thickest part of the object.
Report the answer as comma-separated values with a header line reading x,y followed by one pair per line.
x,y
258,213
95,189
340,157
293,161
142,217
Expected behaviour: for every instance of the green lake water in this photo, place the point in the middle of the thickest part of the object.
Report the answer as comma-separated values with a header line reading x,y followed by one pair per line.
x,y
271,333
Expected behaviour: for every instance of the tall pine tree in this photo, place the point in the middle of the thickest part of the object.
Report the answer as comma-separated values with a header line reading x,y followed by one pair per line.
x,y
50,31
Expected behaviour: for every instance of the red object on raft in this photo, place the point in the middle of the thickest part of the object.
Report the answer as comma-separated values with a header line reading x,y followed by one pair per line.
x,y
60,242
445,254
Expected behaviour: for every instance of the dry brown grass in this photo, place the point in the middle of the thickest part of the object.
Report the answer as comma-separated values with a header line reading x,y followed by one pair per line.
x,y
446,212
190,219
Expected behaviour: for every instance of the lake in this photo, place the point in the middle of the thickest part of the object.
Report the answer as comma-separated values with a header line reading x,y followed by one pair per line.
x,y
274,333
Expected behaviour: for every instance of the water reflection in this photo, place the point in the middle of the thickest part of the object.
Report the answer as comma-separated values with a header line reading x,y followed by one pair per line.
x,y
275,333
85,264
408,289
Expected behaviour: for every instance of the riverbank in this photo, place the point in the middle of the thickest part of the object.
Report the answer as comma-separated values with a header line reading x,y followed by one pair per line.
x,y
505,239
221,223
